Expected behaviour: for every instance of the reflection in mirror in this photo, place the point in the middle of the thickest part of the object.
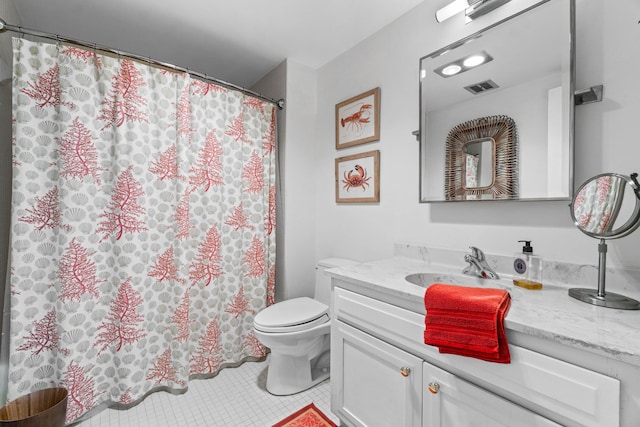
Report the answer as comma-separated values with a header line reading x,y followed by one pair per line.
x,y
479,163
606,207
481,160
601,209
526,74
597,204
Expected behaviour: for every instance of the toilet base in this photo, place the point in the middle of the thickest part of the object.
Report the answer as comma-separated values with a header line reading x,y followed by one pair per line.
x,y
289,374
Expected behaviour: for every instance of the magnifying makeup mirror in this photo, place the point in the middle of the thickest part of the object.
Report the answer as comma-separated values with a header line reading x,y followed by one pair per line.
x,y
606,206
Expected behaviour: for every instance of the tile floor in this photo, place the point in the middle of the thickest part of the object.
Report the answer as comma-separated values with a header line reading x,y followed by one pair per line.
x,y
236,397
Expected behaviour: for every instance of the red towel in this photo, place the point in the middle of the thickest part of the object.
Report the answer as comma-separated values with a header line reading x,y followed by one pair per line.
x,y
467,321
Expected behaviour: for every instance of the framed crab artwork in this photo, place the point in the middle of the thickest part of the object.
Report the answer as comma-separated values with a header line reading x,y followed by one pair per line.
x,y
358,178
358,119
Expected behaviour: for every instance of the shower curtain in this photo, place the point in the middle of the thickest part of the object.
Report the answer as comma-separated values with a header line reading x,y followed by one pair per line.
x,y
142,236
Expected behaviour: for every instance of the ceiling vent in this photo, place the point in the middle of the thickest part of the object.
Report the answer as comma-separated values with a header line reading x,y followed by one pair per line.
x,y
481,87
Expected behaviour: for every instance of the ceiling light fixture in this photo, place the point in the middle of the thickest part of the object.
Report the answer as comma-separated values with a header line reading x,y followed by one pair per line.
x,y
482,7
472,9
453,8
452,69
463,64
474,60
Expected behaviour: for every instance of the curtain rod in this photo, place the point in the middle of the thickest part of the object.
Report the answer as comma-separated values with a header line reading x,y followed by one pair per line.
x,y
7,27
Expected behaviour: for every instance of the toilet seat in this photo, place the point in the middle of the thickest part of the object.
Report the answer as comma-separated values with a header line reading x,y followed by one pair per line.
x,y
292,315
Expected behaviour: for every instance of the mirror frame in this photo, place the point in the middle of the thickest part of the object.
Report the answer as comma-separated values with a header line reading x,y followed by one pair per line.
x,y
424,197
501,130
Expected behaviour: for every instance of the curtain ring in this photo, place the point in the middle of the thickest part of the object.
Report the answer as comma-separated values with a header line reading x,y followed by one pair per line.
x,y
58,43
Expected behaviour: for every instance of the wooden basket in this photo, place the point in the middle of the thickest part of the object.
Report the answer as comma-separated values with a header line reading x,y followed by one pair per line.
x,y
42,408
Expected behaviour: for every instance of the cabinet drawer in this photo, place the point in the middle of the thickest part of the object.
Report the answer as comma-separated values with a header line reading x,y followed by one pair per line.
x,y
391,323
452,401
561,391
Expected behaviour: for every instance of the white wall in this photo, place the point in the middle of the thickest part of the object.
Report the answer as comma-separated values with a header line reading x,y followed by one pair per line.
x,y
295,216
274,85
298,171
10,15
605,140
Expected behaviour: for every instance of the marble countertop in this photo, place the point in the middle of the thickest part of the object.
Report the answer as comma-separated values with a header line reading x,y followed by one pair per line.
x,y
549,313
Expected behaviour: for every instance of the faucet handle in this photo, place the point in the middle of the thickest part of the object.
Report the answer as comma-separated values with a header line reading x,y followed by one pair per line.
x,y
477,253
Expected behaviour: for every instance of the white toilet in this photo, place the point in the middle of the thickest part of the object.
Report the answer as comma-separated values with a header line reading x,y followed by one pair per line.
x,y
297,332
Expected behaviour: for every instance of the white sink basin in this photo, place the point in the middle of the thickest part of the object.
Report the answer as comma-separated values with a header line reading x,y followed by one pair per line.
x,y
425,279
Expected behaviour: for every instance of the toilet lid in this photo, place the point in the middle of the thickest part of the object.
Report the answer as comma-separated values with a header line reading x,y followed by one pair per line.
x,y
292,315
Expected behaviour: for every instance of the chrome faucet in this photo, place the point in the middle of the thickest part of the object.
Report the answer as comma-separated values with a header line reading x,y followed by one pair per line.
x,y
478,265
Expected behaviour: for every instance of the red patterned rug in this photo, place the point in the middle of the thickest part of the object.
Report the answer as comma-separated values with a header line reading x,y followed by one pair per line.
x,y
309,416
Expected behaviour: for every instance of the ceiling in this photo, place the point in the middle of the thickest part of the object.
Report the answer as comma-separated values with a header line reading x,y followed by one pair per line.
x,y
521,54
238,41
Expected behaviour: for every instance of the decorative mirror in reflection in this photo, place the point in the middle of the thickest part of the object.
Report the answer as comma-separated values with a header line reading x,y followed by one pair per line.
x,y
479,157
606,206
522,68
481,160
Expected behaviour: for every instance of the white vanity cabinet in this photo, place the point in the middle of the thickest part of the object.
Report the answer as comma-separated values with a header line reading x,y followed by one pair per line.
x,y
376,383
382,374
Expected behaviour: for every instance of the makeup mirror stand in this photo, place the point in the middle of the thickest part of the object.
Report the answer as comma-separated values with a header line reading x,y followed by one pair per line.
x,y
600,297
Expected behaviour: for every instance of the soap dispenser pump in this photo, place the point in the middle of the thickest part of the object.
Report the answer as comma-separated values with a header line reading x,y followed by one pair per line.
x,y
527,268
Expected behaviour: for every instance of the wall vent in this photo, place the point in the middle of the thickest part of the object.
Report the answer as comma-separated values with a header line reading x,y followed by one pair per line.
x,y
481,87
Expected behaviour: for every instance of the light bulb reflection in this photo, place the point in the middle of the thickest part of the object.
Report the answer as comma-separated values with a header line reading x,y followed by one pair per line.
x,y
464,64
474,61
451,70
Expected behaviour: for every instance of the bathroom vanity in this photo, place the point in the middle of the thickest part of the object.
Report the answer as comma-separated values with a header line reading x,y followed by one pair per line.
x,y
572,364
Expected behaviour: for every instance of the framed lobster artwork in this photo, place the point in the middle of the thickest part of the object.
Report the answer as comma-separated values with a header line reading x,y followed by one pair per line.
x,y
358,178
358,119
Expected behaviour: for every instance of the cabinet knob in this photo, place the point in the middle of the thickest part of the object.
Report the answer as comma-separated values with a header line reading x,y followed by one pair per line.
x,y
434,388
404,371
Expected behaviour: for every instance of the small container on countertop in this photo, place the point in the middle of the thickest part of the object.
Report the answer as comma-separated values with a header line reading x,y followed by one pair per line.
x,y
527,268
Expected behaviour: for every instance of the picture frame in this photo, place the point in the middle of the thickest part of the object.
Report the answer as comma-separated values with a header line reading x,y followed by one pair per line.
x,y
358,119
357,178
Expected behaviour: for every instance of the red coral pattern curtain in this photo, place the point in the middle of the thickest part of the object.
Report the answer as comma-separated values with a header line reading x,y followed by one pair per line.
x,y
143,218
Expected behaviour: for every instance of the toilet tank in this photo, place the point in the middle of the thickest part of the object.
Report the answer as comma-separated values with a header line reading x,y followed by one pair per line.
x,y
323,281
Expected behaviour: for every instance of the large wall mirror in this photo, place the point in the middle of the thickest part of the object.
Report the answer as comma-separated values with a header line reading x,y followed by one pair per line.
x,y
519,71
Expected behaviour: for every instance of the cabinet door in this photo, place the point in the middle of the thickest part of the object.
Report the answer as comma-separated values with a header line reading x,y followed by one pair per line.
x,y
373,383
450,401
